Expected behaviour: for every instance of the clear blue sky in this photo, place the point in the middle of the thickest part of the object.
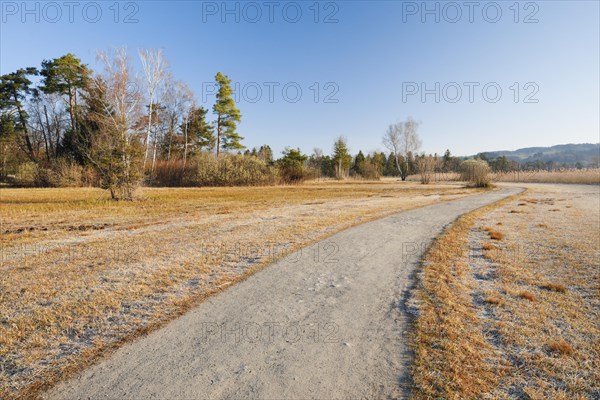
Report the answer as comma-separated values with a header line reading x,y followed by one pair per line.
x,y
370,51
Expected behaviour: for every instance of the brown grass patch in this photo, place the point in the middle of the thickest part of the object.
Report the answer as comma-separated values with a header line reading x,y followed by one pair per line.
x,y
494,234
527,296
488,247
495,300
561,347
555,287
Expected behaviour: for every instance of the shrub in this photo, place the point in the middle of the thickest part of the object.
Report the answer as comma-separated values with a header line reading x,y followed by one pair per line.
x,y
229,170
61,173
291,166
476,172
426,166
172,173
370,171
205,169
25,175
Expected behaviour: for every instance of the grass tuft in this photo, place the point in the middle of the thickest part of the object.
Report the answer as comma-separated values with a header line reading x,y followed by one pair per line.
x,y
554,287
527,295
488,247
493,234
495,300
561,347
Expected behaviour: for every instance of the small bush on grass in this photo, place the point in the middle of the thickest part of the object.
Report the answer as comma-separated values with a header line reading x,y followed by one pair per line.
x,y
475,172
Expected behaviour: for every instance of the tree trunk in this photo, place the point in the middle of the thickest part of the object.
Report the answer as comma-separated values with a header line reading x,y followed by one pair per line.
x,y
30,151
185,147
44,130
153,157
402,175
218,135
50,147
147,141
71,111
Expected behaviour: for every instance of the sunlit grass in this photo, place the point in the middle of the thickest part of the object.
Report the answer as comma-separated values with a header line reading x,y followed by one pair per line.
x,y
107,272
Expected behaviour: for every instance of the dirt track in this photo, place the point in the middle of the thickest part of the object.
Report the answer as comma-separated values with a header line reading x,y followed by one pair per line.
x,y
326,322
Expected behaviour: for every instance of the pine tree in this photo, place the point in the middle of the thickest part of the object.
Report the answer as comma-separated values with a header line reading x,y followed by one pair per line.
x,y
359,163
66,76
228,116
14,88
342,159
201,132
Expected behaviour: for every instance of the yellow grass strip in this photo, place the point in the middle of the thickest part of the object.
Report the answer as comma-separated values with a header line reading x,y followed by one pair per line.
x,y
449,345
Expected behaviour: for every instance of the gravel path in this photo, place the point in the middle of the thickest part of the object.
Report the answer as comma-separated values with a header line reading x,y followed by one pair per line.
x,y
326,322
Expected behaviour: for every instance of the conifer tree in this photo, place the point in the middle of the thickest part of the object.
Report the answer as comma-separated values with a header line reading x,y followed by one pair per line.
x,y
228,116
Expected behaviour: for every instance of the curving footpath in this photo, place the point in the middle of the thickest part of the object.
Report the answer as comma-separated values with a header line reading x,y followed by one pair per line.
x,y
327,322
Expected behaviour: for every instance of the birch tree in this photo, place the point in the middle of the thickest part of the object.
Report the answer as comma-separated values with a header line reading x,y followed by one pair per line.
x,y
177,101
154,66
392,141
115,105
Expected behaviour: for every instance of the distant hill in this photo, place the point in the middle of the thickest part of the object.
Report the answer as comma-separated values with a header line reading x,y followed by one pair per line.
x,y
585,154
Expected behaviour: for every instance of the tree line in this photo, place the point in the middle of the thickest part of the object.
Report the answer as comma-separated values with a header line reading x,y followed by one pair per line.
x,y
63,124
115,124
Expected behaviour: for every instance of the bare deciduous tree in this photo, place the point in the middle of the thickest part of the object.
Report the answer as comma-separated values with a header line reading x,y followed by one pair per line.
x,y
49,121
392,141
426,165
401,139
177,102
154,67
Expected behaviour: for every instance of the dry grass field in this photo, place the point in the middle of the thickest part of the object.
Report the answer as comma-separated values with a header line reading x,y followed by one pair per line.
x,y
508,301
82,275
583,176
571,176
